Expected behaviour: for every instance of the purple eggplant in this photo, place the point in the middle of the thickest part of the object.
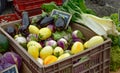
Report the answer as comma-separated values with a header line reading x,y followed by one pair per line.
x,y
11,31
46,20
60,23
62,43
25,24
51,27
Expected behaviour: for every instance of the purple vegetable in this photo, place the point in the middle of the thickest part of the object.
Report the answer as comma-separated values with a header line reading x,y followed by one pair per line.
x,y
79,40
62,43
4,64
42,43
1,68
13,58
52,43
51,27
77,36
32,37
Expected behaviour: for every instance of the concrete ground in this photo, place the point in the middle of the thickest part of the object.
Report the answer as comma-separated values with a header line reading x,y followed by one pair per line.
x,y
110,6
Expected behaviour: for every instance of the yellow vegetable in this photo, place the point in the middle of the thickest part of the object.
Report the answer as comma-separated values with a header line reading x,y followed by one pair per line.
x,y
50,59
34,43
44,33
33,51
58,51
77,47
95,40
33,29
46,51
63,56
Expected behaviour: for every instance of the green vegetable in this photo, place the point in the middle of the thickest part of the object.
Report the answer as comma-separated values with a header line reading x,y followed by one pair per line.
x,y
115,53
115,58
48,7
60,34
82,5
4,43
115,40
80,17
115,17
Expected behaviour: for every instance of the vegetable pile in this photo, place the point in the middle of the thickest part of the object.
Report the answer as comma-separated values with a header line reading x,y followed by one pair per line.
x,y
106,26
47,40
80,14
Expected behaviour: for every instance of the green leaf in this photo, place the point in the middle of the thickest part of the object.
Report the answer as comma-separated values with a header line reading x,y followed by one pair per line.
x,y
48,7
80,35
58,34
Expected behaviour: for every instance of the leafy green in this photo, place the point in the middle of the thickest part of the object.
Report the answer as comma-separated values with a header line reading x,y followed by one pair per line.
x,y
80,35
115,40
115,58
48,7
115,17
84,8
115,53
79,16
60,34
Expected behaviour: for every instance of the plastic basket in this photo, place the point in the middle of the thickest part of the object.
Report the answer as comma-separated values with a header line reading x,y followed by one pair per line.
x,y
9,17
22,5
92,60
33,12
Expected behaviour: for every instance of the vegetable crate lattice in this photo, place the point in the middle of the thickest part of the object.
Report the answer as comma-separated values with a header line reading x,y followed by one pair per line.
x,y
9,17
22,5
92,60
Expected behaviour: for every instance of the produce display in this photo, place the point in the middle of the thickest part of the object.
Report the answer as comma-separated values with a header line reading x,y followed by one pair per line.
x,y
8,59
47,41
108,26
82,15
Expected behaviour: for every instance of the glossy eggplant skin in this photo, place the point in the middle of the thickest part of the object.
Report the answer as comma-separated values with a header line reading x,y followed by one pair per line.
x,y
46,20
11,31
25,24
24,30
60,23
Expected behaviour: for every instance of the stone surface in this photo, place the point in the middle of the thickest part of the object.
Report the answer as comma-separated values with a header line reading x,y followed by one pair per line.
x,y
104,8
